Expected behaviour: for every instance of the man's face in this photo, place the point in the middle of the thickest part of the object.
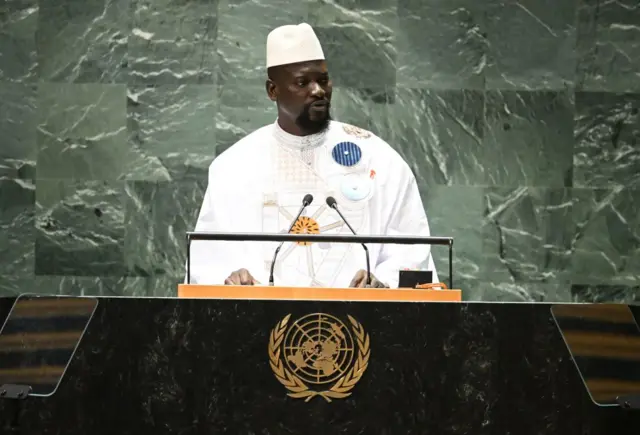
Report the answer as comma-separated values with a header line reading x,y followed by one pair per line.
x,y
303,94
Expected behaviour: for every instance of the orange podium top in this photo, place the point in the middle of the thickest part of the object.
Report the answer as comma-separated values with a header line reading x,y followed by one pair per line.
x,y
317,293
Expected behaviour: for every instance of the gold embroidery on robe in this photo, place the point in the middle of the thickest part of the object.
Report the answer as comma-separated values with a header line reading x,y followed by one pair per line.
x,y
358,132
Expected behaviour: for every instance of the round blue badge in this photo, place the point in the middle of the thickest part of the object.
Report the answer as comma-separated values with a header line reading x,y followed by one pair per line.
x,y
346,153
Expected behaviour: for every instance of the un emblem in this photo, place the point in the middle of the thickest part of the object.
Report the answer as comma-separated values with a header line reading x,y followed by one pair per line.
x,y
318,355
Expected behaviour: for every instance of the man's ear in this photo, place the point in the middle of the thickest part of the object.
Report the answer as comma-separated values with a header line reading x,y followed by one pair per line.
x,y
272,91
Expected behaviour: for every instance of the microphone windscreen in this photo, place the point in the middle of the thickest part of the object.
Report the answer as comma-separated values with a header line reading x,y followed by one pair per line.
x,y
308,199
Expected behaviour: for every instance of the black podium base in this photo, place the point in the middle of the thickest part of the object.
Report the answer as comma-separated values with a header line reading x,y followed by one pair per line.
x,y
168,366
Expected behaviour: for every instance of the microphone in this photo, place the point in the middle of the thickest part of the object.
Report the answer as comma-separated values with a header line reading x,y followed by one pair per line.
x,y
331,202
308,199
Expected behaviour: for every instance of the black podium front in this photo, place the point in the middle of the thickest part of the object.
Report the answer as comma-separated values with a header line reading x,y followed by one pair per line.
x,y
178,366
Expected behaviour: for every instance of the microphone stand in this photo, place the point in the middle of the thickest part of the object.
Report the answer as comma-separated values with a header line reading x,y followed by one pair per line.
x,y
308,199
331,202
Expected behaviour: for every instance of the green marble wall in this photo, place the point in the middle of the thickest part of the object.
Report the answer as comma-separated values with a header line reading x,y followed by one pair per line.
x,y
520,119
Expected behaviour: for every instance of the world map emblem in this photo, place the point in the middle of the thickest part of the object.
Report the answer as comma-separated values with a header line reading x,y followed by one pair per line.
x,y
319,355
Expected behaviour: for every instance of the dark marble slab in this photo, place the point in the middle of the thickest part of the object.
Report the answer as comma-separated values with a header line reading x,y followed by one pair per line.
x,y
606,243
173,42
18,55
157,215
608,47
528,139
18,147
527,235
441,44
80,228
17,234
498,289
83,42
172,128
603,293
202,366
114,229
82,132
530,44
607,140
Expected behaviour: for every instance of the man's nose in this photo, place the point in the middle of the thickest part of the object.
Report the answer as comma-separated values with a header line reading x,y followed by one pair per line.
x,y
317,90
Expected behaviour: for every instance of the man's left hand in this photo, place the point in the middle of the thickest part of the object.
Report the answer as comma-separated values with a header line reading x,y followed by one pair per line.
x,y
360,281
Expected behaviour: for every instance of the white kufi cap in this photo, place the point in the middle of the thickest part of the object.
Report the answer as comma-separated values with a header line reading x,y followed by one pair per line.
x,y
292,44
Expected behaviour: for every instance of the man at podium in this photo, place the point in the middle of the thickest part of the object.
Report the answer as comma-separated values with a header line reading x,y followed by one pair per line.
x,y
260,183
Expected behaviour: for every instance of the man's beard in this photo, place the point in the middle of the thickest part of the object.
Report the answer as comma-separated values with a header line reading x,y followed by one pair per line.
x,y
305,122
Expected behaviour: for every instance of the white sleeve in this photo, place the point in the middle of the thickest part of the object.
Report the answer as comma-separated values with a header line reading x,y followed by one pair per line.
x,y
407,218
212,262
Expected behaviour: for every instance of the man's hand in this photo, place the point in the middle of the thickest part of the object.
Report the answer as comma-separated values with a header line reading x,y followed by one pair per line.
x,y
241,277
360,281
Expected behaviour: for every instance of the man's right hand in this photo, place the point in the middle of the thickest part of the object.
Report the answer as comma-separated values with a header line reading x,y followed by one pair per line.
x,y
241,277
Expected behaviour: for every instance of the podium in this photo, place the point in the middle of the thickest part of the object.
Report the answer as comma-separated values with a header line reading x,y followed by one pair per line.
x,y
234,360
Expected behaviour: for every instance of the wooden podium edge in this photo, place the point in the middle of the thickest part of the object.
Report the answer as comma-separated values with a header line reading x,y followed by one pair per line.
x,y
191,291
